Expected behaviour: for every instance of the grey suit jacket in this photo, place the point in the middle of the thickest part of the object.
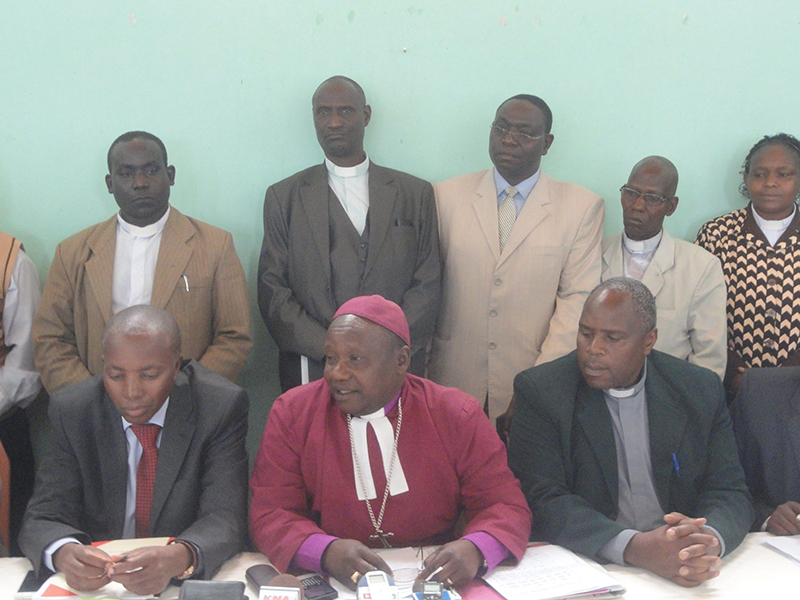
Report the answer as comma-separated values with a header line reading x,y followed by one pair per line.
x,y
562,450
766,420
294,271
201,479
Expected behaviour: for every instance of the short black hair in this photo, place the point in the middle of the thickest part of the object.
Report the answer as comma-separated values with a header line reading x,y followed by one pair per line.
x,y
136,135
343,79
644,303
786,140
538,103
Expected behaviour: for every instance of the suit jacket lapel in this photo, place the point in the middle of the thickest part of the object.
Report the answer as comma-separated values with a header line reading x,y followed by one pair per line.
x,y
667,423
179,425
791,424
595,420
663,260
173,255
100,266
612,259
382,197
535,209
485,207
314,199
113,463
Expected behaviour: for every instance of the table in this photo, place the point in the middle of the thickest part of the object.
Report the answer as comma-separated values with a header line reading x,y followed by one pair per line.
x,y
751,571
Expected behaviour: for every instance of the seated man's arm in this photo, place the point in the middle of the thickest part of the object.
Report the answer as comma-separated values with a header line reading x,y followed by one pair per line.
x,y
290,325
55,347
232,341
540,456
724,499
708,321
579,275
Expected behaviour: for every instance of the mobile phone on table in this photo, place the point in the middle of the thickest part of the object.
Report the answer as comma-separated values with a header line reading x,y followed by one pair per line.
x,y
316,588
30,585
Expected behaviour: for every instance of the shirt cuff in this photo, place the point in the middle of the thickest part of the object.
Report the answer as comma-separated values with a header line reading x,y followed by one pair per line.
x,y
614,549
309,554
719,537
47,555
493,551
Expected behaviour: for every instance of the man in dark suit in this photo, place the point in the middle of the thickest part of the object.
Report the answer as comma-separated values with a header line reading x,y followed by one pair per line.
x,y
342,229
153,447
766,420
627,454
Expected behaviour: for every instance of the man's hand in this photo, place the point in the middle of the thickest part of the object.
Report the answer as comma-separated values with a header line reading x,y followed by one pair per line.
x,y
783,521
343,558
85,567
681,551
460,561
148,570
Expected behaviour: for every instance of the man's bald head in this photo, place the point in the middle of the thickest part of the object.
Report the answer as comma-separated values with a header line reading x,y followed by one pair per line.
x,y
342,80
143,321
661,168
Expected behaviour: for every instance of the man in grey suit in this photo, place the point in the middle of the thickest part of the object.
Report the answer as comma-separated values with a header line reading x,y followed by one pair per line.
x,y
342,229
626,454
153,447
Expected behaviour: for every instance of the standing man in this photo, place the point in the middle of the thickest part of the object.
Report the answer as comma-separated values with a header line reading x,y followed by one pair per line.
x,y
685,279
627,454
153,447
148,253
19,380
342,229
521,252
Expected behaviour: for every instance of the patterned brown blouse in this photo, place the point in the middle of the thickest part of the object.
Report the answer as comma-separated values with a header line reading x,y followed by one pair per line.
x,y
763,288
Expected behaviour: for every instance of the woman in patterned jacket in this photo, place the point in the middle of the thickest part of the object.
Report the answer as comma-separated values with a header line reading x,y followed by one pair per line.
x,y
759,247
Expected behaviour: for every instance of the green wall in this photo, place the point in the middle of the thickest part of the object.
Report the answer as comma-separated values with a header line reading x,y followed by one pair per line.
x,y
227,86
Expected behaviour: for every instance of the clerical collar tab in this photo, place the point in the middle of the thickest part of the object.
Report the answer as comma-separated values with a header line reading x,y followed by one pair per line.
x,y
147,230
631,391
642,246
345,172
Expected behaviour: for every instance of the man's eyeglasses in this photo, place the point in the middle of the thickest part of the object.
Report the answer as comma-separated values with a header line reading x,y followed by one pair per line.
x,y
517,136
652,200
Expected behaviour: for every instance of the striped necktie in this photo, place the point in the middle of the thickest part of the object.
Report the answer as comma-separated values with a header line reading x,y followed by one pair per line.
x,y
506,215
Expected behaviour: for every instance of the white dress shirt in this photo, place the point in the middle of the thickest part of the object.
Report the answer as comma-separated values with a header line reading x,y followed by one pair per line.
x,y
19,380
351,186
637,254
773,230
135,261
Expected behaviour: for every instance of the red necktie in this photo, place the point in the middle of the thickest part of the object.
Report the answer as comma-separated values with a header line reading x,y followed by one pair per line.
x,y
145,476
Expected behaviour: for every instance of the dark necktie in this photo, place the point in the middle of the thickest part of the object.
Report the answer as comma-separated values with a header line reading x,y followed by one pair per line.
x,y
145,476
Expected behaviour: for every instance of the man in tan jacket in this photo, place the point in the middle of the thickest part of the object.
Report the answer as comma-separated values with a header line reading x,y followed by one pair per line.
x,y
149,253
521,253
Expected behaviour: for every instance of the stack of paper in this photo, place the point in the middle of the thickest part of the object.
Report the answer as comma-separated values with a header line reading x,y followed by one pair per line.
x,y
547,572
789,546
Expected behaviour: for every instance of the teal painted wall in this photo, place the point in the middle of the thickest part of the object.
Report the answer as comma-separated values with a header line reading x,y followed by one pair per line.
x,y
227,86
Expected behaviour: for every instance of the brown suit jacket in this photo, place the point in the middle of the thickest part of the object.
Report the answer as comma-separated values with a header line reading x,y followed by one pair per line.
x,y
213,316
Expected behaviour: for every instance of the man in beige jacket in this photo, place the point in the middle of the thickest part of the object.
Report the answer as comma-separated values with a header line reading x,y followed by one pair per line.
x,y
521,253
685,279
148,253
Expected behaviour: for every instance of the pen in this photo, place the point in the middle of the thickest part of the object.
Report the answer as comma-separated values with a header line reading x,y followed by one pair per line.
x,y
435,572
186,281
676,465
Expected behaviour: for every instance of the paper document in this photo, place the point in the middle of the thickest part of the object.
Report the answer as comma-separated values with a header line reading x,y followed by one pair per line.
x,y
789,546
547,572
56,586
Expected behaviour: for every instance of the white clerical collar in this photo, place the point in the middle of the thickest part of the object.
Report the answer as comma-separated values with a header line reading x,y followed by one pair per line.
x,y
632,391
779,225
156,419
642,246
338,171
147,230
385,433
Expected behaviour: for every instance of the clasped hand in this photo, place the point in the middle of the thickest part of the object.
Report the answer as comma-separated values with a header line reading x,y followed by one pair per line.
x,y
142,571
682,550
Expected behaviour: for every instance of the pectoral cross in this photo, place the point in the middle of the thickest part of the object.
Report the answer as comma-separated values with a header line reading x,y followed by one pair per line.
x,y
383,537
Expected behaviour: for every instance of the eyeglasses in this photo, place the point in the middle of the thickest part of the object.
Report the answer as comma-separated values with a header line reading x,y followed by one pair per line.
x,y
517,136
652,200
